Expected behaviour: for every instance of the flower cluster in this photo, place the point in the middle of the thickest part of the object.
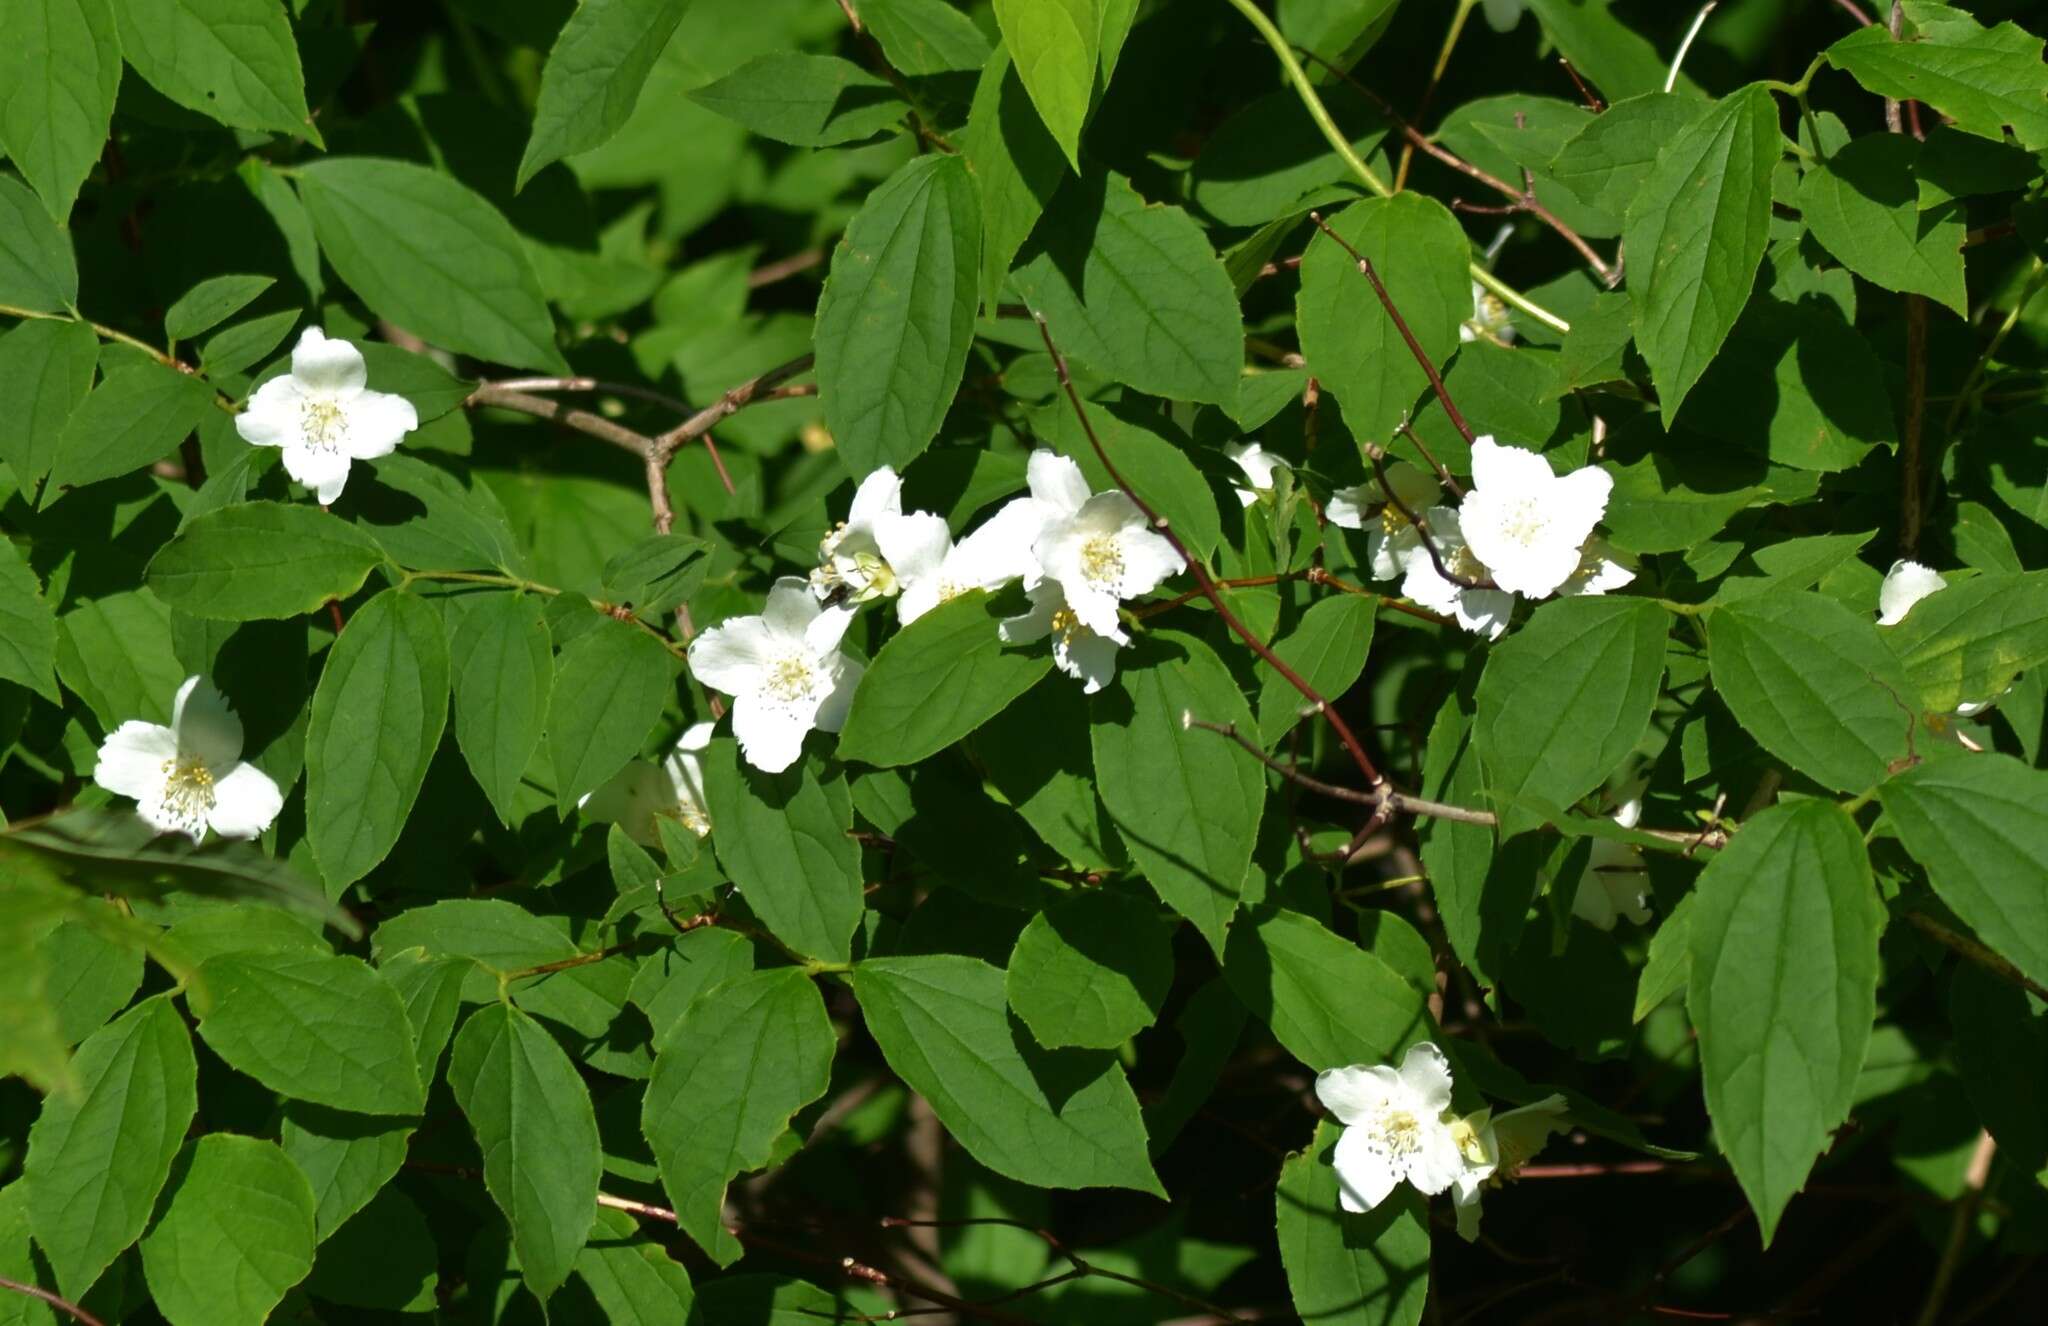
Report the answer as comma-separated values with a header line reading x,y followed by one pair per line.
x,y
1399,1127
1522,531
1079,554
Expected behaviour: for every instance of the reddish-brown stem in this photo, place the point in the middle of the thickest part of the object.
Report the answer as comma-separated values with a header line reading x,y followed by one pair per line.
x,y
76,1312
1201,574
1436,557
1586,94
1443,475
1436,380
1316,575
784,268
1855,11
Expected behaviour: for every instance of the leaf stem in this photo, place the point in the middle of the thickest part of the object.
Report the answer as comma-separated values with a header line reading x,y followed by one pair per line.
x,y
1436,76
33,1291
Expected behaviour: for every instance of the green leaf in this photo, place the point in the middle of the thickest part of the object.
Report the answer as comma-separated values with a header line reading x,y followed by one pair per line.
x,y
1150,451
610,685
115,654
377,716
93,973
1345,1269
261,559
593,76
1862,205
1695,236
231,60
1328,648
37,269
1092,970
659,574
923,37
935,681
1969,641
431,989
897,313
383,1258
1564,700
1507,134
46,369
1483,895
347,1158
1420,251
1269,160
312,1026
533,1121
433,257
1818,412
212,302
1054,44
804,100
504,669
630,1275
1133,289
785,839
236,349
1328,1001
728,1076
1610,156
135,417
1668,964
1187,801
1054,1119
1610,54
1980,826
1783,991
1037,756
674,975
236,1233
60,69
1982,78
1017,168
28,629
97,1159
1815,685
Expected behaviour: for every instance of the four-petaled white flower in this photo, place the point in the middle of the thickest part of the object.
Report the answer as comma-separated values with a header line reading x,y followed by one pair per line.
x,y
783,670
930,568
1494,1147
1099,547
1528,524
1490,319
638,795
1476,609
1614,883
1077,649
1390,537
1394,1127
1905,585
850,559
323,416
1258,469
189,777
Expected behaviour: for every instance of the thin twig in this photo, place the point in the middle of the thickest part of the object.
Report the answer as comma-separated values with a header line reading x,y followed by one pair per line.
x,y
762,388
1970,949
1855,11
544,384
1677,61
1586,94
1436,76
66,1305
1443,475
1201,574
784,268
1965,1215
541,407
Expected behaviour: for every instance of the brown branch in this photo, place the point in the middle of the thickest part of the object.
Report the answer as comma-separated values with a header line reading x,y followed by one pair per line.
x,y
1971,950
580,960
540,407
1586,94
1201,574
637,393
750,392
1519,200
784,268
1855,11
1443,475
33,1291
1436,557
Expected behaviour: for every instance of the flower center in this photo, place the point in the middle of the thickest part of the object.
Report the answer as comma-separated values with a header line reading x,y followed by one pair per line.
x,y
690,817
1400,1133
1469,1146
188,791
1102,559
324,424
1392,522
1465,566
1523,521
790,678
1065,624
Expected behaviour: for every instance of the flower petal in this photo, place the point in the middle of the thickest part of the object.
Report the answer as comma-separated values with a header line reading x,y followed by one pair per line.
x,y
1427,1075
1578,501
631,798
1434,1164
322,470
826,629
1513,470
1905,585
244,803
732,655
914,545
790,609
1046,599
375,422
131,762
206,726
1484,611
1087,657
1094,607
1148,561
833,708
999,551
1365,1174
918,598
275,414
879,495
771,735
328,365
1347,506
1056,481
1355,1092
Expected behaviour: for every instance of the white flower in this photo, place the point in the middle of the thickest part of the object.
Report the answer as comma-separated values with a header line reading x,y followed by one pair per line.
x,y
1394,1127
1077,649
783,670
1493,1149
189,777
1905,585
641,793
1390,538
850,557
1527,523
1613,883
1100,548
1490,319
1258,468
1602,569
323,416
1482,610
930,568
